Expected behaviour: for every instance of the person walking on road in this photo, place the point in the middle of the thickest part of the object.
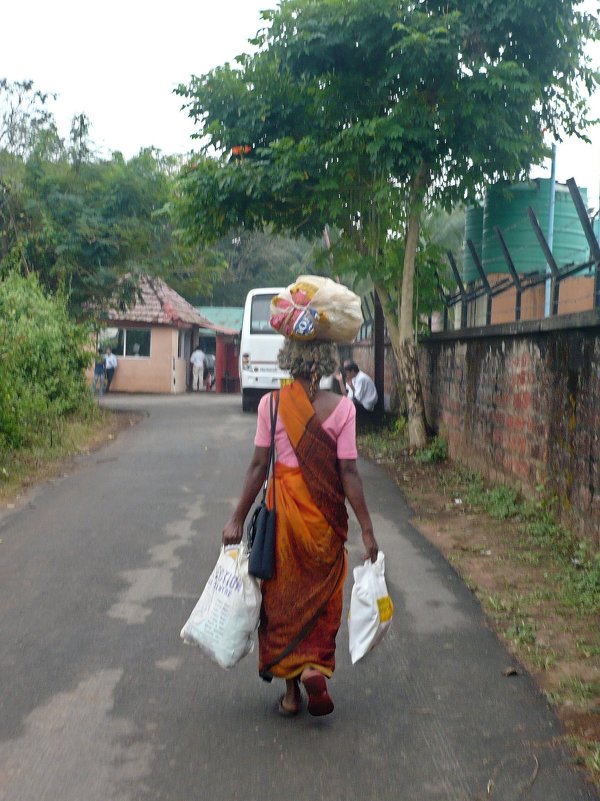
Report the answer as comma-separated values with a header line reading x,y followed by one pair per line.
x,y
197,360
316,470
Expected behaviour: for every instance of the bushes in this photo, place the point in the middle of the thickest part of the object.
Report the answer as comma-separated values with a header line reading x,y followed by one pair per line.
x,y
42,361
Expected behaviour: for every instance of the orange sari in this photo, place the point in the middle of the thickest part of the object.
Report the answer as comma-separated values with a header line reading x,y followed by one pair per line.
x,y
310,557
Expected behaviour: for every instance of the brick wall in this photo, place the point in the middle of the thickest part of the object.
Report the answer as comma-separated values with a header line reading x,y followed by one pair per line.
x,y
521,403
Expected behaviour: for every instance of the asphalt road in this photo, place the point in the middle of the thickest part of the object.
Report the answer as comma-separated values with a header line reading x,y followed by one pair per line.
x,y
101,701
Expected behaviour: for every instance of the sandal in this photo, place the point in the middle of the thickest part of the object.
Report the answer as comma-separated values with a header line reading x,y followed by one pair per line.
x,y
319,700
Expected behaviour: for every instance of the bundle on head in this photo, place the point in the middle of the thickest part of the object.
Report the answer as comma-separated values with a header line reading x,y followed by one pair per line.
x,y
311,360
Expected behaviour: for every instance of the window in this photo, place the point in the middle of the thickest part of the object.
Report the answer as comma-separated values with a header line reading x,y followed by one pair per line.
x,y
260,314
127,341
109,338
137,342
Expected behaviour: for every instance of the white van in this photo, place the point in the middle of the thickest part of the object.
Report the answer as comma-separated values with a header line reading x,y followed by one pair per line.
x,y
259,346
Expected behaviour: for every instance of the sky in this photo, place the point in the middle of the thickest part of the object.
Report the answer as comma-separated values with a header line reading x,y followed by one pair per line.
x,y
118,62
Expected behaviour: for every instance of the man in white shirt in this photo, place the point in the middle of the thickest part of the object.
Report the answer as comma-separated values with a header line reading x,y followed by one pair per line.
x,y
197,361
359,388
110,365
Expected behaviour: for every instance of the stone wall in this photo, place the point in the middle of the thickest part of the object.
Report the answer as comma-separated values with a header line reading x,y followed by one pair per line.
x,y
521,403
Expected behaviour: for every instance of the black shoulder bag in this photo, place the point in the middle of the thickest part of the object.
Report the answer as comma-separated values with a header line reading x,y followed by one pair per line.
x,y
261,528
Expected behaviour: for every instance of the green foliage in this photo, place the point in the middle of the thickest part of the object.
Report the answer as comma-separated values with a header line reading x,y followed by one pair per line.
x,y
577,564
42,361
26,121
540,522
500,501
388,442
436,451
522,631
344,102
582,580
594,759
258,258
83,225
362,116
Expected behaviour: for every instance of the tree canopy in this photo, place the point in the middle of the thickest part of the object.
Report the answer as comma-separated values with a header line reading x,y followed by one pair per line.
x,y
90,225
361,115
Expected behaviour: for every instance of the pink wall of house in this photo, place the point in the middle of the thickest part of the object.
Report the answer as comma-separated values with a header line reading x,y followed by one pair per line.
x,y
161,372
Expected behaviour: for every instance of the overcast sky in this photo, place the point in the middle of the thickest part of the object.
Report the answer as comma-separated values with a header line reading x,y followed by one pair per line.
x,y
118,62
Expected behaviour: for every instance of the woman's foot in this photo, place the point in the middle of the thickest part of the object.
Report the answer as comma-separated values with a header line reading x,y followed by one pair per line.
x,y
319,700
290,703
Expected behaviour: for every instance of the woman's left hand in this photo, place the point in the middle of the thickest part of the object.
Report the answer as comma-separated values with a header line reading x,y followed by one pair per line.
x,y
371,547
233,532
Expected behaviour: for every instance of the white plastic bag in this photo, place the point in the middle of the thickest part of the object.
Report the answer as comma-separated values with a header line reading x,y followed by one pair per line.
x,y
314,307
371,608
224,620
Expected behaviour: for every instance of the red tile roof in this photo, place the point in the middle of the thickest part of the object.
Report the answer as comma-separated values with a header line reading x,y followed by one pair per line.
x,y
158,304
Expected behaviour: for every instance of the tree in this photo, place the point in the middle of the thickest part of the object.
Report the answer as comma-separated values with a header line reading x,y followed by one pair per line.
x,y
91,227
80,150
41,365
24,116
259,258
364,114
88,225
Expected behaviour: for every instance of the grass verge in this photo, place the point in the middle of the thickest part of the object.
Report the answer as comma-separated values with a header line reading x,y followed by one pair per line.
x,y
538,584
73,436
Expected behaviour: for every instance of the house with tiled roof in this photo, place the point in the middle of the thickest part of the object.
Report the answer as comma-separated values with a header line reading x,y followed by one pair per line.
x,y
153,339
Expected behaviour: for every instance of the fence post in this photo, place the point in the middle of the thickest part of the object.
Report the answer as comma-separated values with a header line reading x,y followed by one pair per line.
x,y
443,297
461,289
484,279
512,271
550,260
589,235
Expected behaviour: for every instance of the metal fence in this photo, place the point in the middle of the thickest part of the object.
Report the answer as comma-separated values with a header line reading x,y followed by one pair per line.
x,y
552,275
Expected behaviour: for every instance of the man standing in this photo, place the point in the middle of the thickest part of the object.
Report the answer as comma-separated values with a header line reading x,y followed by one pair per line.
x,y
110,365
99,374
359,388
197,361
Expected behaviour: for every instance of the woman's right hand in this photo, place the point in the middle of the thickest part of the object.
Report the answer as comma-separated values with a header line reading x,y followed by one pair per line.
x,y
233,532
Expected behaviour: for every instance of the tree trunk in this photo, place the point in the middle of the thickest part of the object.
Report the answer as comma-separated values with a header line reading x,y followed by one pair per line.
x,y
407,351
409,370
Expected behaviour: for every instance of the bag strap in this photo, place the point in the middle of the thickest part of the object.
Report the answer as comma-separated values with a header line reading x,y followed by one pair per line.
x,y
271,462
305,630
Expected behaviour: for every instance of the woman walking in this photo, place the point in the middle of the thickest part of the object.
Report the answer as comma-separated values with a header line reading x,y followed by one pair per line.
x,y
315,472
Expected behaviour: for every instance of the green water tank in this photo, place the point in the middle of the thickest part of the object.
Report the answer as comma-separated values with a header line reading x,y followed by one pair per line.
x,y
474,232
506,207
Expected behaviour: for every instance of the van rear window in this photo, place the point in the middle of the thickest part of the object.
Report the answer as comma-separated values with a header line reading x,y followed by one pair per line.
x,y
259,315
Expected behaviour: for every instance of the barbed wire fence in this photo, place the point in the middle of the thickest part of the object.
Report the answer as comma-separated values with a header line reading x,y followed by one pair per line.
x,y
464,298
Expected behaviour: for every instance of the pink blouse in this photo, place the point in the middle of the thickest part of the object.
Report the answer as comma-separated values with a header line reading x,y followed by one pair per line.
x,y
340,425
